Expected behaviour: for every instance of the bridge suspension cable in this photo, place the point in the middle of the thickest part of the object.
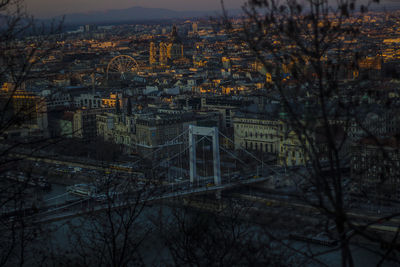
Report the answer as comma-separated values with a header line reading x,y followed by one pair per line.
x,y
252,155
181,152
55,197
162,146
230,153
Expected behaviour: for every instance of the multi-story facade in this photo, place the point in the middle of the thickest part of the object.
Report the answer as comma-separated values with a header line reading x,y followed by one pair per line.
x,y
88,101
157,130
111,101
257,133
117,128
26,110
295,146
31,108
145,133
292,149
226,108
58,100
84,123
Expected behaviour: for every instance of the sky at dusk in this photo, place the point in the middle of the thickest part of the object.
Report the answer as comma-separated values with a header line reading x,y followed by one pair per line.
x,y
50,8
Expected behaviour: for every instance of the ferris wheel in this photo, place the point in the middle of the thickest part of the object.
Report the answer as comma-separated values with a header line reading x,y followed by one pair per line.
x,y
121,66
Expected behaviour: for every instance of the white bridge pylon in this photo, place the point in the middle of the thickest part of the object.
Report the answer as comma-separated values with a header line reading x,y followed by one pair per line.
x,y
204,131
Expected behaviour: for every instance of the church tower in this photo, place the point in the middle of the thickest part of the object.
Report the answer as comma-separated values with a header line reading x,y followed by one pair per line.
x,y
175,46
163,53
153,54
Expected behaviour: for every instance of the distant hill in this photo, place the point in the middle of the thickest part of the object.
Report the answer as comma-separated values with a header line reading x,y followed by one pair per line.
x,y
133,14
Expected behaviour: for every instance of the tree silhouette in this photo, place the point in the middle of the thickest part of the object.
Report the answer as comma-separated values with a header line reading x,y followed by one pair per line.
x,y
309,50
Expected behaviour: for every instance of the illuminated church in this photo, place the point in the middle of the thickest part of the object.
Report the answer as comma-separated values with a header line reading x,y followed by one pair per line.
x,y
170,51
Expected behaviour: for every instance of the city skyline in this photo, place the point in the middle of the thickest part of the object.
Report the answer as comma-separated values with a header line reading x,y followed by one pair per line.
x,y
163,133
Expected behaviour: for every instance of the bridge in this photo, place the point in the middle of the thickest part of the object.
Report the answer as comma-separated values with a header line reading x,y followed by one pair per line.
x,y
191,163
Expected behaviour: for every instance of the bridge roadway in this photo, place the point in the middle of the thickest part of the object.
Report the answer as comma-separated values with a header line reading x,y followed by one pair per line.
x,y
80,208
89,205
61,162
92,166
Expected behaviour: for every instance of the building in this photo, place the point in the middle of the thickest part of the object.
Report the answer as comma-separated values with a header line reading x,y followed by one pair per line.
x,y
292,149
195,27
153,54
295,150
90,27
225,106
375,169
66,125
171,50
256,133
117,128
175,46
156,130
88,101
84,123
58,100
27,112
146,132
111,101
163,54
